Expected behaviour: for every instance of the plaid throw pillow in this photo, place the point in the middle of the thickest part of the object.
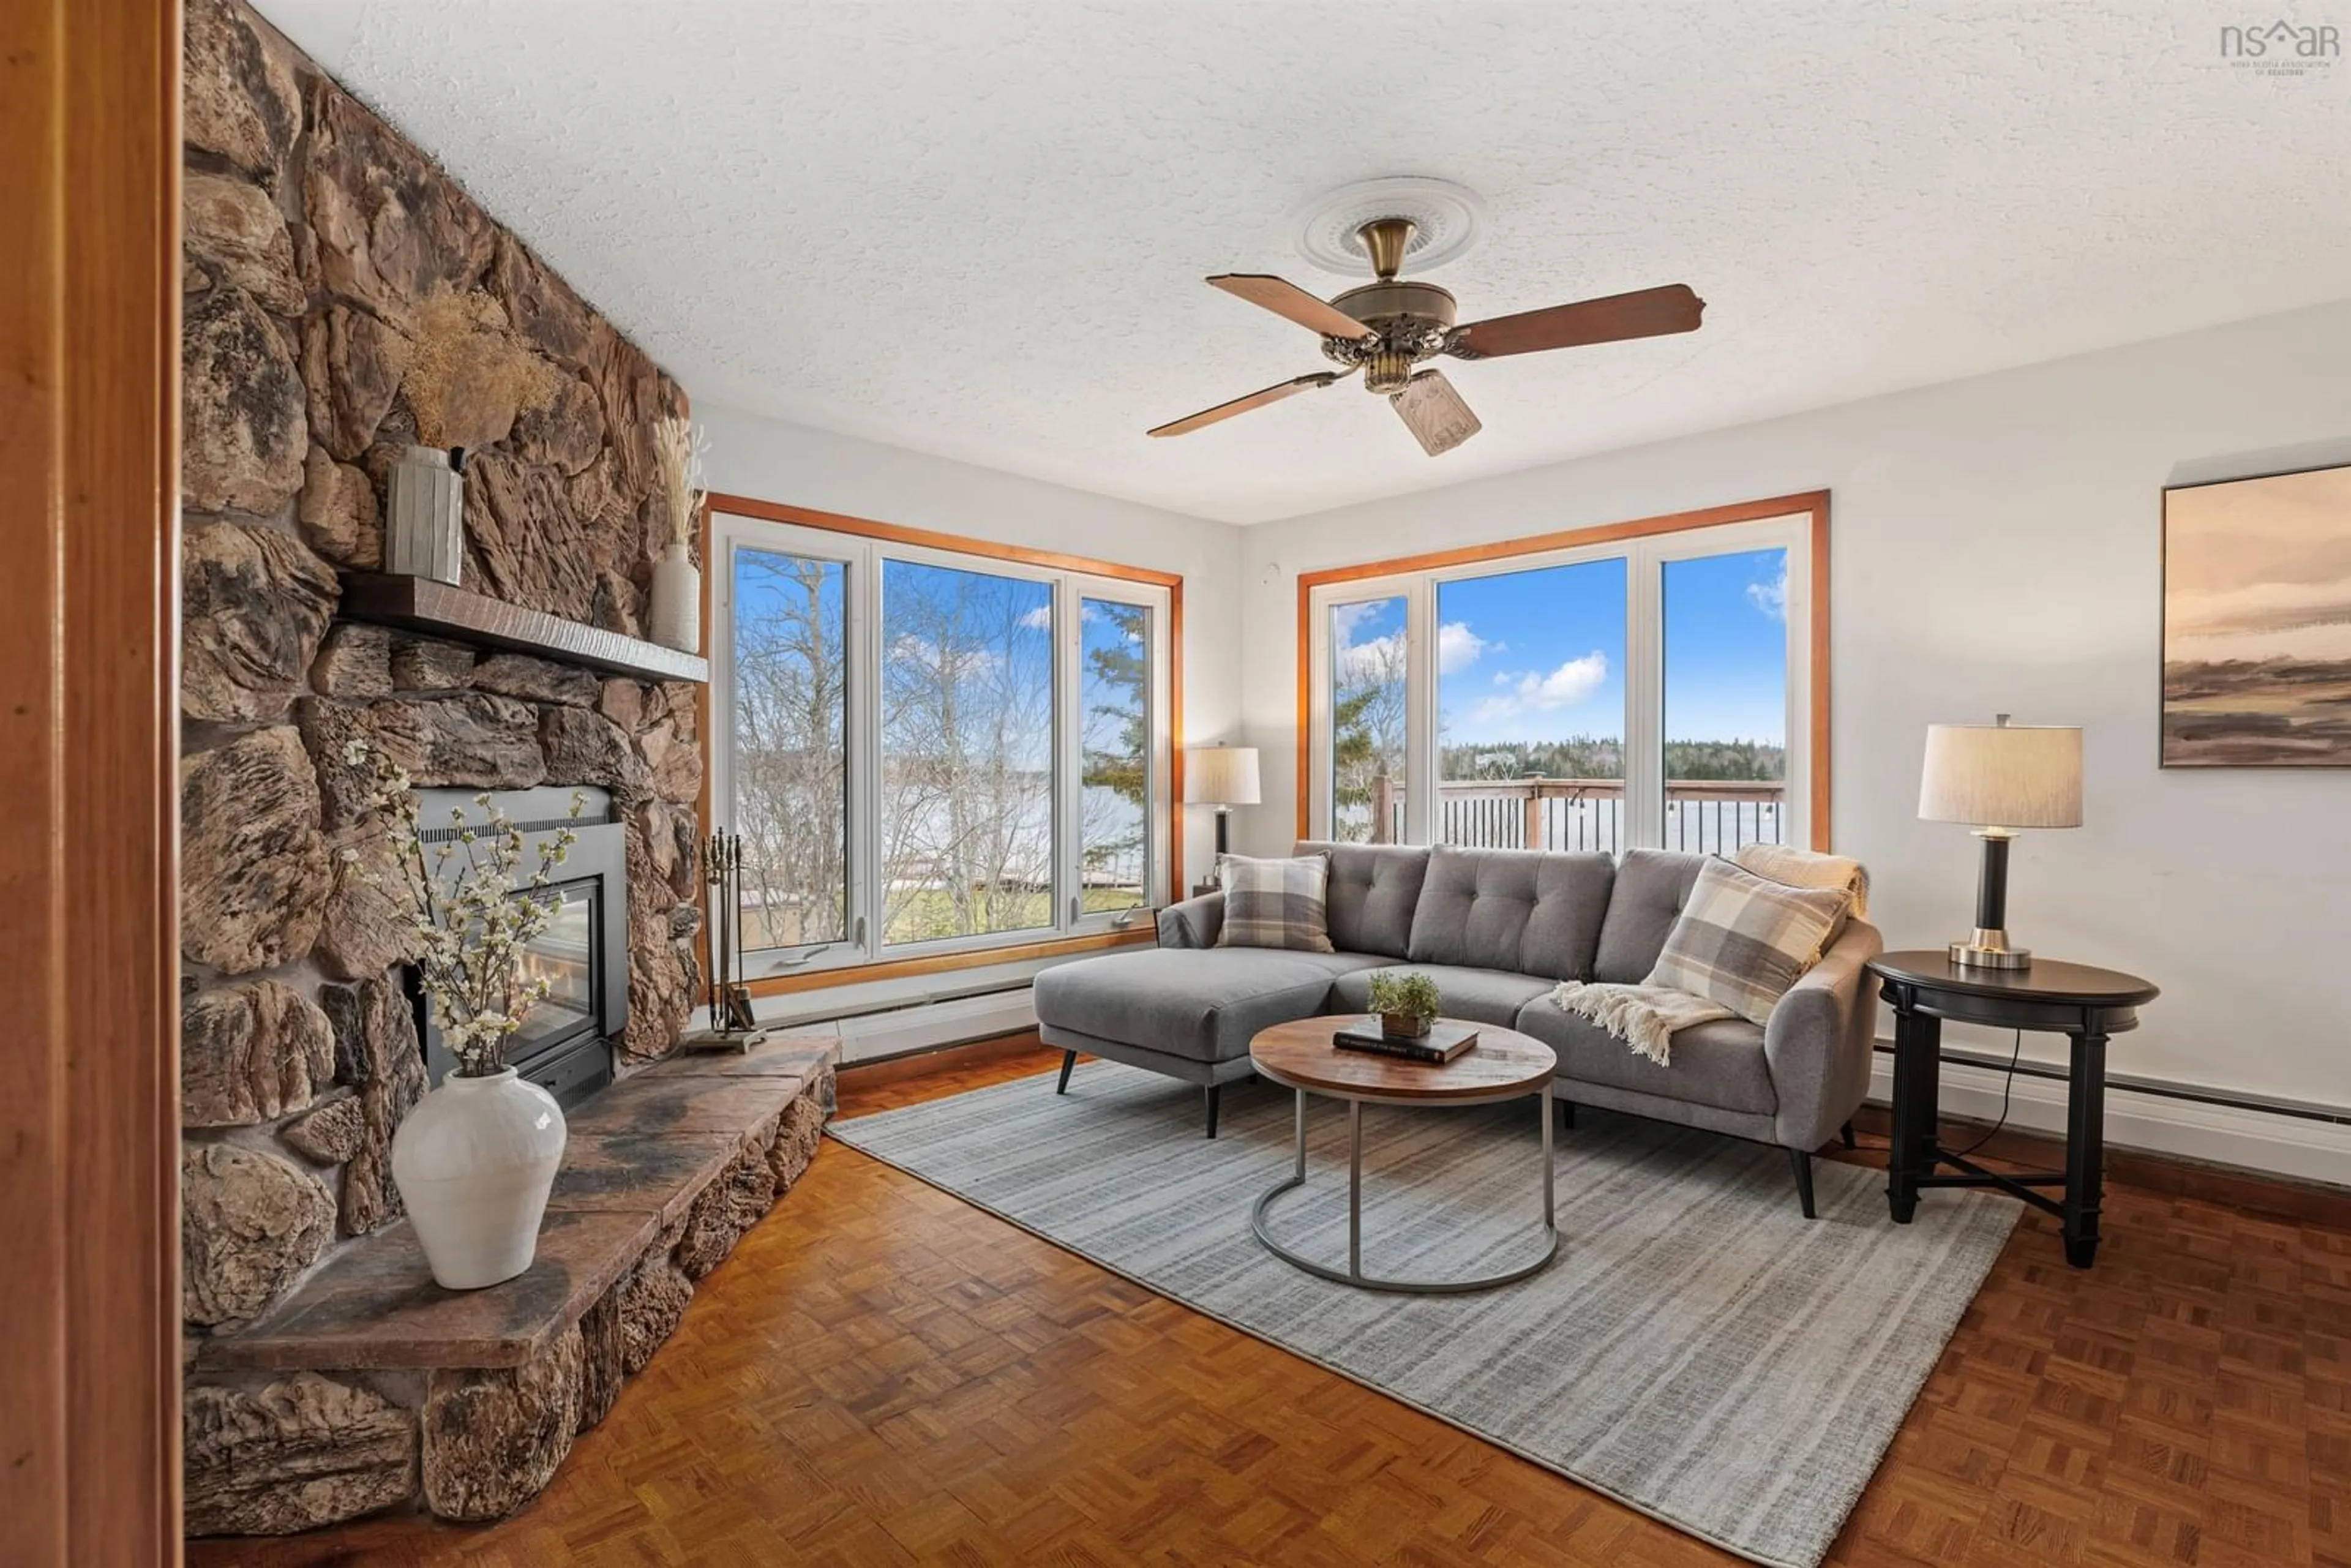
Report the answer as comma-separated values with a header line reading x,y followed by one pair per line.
x,y
1742,940
1275,903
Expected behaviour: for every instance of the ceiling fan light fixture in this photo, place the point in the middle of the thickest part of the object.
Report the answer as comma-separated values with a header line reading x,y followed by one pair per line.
x,y
1434,413
1387,371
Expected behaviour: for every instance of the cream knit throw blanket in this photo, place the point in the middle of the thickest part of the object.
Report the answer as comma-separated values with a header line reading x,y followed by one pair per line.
x,y
1804,868
1642,1017
1647,1017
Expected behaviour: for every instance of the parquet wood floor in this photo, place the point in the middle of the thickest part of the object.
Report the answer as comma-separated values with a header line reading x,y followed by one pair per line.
x,y
880,1376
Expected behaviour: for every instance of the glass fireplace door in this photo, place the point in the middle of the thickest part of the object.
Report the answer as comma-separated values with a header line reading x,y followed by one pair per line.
x,y
564,955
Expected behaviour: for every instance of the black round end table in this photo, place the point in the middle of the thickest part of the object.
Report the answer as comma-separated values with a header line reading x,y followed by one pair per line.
x,y
2085,1005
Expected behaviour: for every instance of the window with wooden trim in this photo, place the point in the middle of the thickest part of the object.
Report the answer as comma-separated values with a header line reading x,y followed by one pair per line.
x,y
931,751
1647,684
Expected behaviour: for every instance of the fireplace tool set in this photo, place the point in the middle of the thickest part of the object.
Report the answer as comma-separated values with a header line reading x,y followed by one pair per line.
x,y
732,1027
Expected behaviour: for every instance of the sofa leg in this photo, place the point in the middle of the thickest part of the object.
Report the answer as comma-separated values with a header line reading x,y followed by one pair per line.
x,y
1068,1060
1845,1133
1801,1162
1567,1115
1212,1092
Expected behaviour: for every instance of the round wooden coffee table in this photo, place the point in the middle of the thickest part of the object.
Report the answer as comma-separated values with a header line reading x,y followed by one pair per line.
x,y
1503,1065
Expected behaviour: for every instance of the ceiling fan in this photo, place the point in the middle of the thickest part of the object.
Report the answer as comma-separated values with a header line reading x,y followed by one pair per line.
x,y
1388,326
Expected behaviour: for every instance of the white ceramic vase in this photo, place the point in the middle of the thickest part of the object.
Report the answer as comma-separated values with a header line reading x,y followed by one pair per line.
x,y
474,1163
425,521
677,602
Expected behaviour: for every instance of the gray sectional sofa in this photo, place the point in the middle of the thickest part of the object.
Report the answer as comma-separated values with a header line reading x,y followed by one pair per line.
x,y
1498,930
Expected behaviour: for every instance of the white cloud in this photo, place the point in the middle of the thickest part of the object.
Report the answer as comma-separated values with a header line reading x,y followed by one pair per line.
x,y
1346,618
1569,685
1380,659
1771,597
1041,619
1572,683
1458,647
1383,658
922,650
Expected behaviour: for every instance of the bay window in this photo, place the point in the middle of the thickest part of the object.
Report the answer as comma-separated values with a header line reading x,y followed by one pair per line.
x,y
1643,685
929,750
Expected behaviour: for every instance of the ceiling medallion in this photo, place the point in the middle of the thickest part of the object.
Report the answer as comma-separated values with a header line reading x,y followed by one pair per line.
x,y
1447,220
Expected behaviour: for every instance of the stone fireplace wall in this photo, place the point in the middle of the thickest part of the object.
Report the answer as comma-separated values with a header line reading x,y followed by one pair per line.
x,y
317,240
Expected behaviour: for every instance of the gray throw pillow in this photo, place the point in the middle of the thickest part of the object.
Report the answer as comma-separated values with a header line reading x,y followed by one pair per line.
x,y
1276,903
1742,940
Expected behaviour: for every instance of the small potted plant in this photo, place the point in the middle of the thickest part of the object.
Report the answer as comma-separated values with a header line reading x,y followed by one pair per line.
x,y
1406,1003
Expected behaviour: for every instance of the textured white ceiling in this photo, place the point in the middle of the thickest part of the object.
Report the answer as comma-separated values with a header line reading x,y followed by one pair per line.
x,y
978,229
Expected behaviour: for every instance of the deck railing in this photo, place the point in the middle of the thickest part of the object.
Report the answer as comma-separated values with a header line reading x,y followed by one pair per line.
x,y
1705,816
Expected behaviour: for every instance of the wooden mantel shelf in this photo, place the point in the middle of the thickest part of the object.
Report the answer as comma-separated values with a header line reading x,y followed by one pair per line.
x,y
421,605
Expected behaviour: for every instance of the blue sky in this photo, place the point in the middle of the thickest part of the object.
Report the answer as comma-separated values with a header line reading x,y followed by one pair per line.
x,y
1525,655
991,637
1540,655
1099,629
1001,618
1532,655
763,589
1727,647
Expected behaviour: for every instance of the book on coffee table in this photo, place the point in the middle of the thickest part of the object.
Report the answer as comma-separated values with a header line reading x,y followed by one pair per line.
x,y
1443,1042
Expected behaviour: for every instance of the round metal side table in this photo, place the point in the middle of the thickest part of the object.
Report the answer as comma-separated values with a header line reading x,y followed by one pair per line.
x,y
1503,1065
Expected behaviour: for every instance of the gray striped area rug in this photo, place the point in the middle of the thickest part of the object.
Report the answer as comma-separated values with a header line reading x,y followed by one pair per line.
x,y
1701,1351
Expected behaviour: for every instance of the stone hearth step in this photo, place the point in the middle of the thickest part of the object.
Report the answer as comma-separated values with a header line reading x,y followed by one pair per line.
x,y
375,1307
661,1173
637,1157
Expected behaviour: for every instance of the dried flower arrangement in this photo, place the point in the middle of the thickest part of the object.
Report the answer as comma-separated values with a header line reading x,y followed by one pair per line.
x,y
679,447
458,900
463,343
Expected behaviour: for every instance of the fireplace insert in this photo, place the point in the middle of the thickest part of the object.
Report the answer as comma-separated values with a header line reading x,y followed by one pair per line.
x,y
566,1041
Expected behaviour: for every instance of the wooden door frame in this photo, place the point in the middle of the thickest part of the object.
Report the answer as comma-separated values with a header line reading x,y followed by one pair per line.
x,y
90,362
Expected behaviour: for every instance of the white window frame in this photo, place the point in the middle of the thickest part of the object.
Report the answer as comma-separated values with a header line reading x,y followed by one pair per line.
x,y
1159,812
863,558
1320,603
1646,556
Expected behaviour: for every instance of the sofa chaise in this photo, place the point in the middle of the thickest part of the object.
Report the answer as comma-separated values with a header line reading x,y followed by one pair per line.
x,y
1498,930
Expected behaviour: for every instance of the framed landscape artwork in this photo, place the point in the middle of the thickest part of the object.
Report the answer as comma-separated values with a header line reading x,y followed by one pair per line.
x,y
2257,621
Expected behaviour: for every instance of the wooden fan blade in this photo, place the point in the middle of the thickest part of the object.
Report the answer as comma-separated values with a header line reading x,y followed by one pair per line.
x,y
1646,313
1286,298
1193,422
1434,413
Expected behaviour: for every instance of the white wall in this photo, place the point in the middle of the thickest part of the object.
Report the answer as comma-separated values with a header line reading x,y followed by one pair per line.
x,y
1994,545
793,465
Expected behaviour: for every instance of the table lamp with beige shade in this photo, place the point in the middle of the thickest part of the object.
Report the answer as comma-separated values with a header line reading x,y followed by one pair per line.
x,y
1223,776
1998,778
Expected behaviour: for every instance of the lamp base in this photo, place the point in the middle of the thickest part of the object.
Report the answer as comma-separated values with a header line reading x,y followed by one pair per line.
x,y
1988,949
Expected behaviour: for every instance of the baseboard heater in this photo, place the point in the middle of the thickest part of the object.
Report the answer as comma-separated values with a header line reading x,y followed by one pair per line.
x,y
2162,1088
878,1030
